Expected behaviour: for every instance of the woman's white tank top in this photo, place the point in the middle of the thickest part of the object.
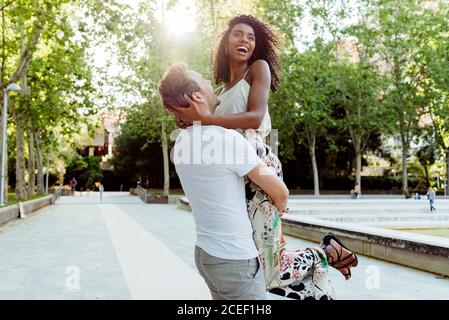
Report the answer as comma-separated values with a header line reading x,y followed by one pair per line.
x,y
235,100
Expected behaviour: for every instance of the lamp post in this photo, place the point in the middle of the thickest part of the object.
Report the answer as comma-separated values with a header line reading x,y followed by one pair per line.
x,y
16,88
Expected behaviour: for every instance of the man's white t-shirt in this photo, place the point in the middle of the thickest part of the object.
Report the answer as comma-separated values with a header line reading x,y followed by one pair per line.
x,y
211,163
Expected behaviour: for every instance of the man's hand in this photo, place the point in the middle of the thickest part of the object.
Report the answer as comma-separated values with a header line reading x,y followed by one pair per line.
x,y
197,111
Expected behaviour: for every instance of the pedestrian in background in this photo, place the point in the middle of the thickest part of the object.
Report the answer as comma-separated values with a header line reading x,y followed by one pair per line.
x,y
356,191
73,184
431,196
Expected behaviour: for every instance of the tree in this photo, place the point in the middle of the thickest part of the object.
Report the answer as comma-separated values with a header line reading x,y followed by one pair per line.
x,y
29,18
305,89
396,27
146,34
85,169
358,87
56,83
432,64
135,153
307,86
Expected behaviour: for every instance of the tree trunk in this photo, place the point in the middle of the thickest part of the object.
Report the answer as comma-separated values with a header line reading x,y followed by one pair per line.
x,y
311,142
447,173
316,183
27,54
40,164
358,148
31,165
358,166
426,172
61,179
21,190
404,168
46,175
5,179
165,157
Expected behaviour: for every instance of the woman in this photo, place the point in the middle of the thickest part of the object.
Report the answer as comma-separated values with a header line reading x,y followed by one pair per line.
x,y
246,63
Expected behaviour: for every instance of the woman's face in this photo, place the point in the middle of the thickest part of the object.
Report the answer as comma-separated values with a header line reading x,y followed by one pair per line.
x,y
241,43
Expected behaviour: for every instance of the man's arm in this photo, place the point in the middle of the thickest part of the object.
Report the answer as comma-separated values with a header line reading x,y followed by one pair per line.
x,y
274,187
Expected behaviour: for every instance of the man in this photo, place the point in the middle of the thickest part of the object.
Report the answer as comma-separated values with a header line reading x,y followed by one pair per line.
x,y
431,196
211,163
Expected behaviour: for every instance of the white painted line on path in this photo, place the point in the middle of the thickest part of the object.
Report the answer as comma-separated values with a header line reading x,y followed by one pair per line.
x,y
151,270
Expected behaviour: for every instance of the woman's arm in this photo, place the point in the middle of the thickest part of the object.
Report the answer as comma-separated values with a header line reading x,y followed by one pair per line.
x,y
257,104
274,187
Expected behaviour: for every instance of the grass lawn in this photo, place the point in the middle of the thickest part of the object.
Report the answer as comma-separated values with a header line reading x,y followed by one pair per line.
x,y
444,233
173,192
12,198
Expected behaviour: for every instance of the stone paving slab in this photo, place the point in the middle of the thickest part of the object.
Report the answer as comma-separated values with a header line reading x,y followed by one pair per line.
x,y
374,279
151,269
42,256
394,281
43,253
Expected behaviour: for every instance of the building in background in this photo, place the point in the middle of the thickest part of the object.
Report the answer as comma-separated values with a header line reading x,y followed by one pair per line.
x,y
101,145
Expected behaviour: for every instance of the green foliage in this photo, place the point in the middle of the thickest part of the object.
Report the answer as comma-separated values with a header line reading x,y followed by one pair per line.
x,y
328,100
383,73
46,52
86,170
284,15
90,185
137,157
358,88
302,103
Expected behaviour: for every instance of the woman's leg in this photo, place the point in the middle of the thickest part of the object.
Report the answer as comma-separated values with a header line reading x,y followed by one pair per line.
x,y
309,269
297,274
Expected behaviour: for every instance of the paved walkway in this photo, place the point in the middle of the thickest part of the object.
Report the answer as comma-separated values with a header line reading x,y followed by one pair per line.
x,y
124,249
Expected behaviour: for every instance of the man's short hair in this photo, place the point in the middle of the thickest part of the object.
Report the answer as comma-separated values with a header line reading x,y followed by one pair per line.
x,y
175,83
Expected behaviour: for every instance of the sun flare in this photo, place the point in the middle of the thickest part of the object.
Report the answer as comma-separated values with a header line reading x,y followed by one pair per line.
x,y
181,18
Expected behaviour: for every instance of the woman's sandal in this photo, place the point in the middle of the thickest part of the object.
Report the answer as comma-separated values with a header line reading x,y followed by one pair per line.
x,y
340,263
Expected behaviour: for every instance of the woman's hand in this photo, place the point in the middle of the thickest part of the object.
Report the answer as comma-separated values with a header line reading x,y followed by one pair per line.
x,y
181,124
281,212
197,111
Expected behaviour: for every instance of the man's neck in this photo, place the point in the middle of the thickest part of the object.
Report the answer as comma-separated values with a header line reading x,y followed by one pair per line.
x,y
190,127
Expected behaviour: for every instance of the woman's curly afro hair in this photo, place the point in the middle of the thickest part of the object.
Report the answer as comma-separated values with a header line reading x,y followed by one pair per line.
x,y
266,42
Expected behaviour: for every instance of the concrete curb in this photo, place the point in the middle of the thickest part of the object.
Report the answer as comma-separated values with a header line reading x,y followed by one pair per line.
x,y
183,204
421,252
12,212
146,197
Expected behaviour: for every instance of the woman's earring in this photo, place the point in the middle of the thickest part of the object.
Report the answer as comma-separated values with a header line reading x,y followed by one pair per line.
x,y
226,51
